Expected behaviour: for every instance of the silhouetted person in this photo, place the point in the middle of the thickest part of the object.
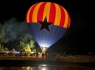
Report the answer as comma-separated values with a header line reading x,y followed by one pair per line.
x,y
37,54
46,55
42,55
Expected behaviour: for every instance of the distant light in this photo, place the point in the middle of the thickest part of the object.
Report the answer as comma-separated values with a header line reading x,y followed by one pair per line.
x,y
43,68
43,65
31,52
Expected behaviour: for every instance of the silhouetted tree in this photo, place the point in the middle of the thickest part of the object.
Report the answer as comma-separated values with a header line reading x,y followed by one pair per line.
x,y
2,34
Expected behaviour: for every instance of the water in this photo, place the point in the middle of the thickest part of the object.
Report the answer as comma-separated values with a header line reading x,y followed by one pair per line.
x,y
47,67
30,63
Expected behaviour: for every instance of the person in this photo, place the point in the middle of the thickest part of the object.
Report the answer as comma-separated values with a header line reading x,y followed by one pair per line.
x,y
37,54
42,55
46,55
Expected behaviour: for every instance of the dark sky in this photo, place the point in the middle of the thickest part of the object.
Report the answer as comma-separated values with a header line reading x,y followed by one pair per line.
x,y
79,38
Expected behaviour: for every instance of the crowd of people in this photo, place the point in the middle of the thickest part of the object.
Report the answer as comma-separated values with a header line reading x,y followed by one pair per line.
x,y
48,56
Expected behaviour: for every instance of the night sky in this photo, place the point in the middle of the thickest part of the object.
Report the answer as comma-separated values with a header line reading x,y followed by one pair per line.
x,y
79,38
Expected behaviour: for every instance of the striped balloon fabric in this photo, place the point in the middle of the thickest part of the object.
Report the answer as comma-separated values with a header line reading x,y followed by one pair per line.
x,y
56,14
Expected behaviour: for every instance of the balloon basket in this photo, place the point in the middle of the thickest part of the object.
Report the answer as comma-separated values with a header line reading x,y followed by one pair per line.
x,y
43,49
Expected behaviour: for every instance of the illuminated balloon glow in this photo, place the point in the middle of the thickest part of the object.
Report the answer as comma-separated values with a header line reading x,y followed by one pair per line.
x,y
55,14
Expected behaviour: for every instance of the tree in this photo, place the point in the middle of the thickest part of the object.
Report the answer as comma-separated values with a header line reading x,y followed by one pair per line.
x,y
22,43
2,34
0,48
26,44
32,45
34,50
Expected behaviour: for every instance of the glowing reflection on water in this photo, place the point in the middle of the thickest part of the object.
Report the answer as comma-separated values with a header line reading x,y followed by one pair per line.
x,y
45,67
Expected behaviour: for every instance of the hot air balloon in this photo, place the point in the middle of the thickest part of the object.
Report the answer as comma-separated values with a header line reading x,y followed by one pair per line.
x,y
47,23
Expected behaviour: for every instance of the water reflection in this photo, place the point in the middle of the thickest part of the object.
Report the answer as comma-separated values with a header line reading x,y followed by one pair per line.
x,y
44,67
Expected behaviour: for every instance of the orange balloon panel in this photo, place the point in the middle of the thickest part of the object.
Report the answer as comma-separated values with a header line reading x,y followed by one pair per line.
x,y
54,13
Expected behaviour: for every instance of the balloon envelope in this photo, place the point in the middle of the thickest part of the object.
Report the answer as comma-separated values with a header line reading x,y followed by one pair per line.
x,y
55,14
46,38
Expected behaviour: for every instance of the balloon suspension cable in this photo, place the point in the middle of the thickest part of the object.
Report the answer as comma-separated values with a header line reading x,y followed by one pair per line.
x,y
80,38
